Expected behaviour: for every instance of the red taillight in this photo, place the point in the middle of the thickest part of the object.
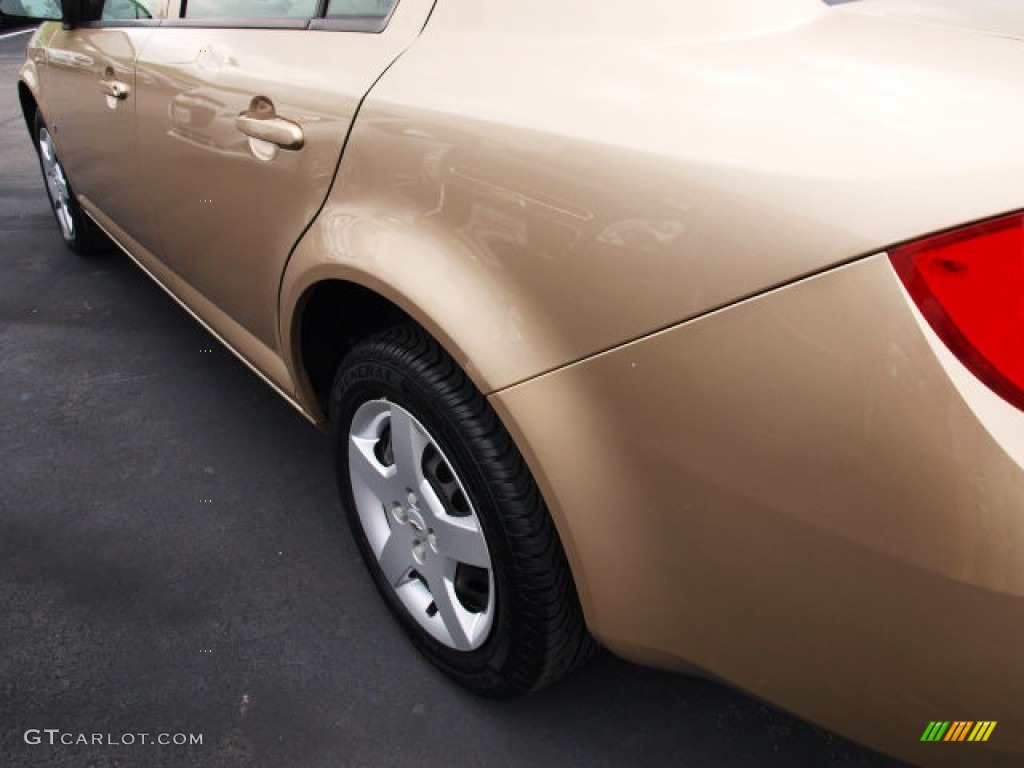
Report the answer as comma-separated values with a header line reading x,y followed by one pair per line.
x,y
969,285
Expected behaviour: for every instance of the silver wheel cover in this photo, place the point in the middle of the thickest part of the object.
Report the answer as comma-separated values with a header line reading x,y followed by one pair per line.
x,y
56,184
422,539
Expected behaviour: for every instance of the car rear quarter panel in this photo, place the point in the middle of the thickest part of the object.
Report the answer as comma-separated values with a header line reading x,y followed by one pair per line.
x,y
536,185
805,495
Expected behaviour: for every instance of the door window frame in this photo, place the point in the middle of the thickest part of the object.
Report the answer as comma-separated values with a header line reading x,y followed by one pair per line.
x,y
365,24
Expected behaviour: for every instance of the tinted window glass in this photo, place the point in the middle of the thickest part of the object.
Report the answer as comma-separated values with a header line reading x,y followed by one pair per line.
x,y
119,10
367,9
250,9
33,9
128,9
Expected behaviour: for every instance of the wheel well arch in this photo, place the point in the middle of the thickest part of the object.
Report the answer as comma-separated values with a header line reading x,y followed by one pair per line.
x,y
331,317
334,314
28,104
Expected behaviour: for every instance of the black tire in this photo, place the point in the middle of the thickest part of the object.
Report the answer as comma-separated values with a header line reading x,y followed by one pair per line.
x,y
537,634
78,231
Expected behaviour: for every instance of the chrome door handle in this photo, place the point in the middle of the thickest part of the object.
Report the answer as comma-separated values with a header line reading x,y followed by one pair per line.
x,y
276,130
115,88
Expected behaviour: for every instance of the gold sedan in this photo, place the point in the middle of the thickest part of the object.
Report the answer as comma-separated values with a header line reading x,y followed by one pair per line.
x,y
692,328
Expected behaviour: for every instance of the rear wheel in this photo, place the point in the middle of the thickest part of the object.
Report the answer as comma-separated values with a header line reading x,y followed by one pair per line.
x,y
449,519
78,230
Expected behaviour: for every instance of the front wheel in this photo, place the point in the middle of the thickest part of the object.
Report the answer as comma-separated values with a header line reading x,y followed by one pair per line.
x,y
79,232
449,519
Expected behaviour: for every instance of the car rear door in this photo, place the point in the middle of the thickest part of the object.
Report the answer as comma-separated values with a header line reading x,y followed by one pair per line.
x,y
244,107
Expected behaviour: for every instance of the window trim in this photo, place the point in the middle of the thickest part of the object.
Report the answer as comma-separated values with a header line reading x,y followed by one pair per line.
x,y
227,23
114,23
363,24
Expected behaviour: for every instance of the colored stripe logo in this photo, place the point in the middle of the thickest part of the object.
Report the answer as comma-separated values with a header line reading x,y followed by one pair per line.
x,y
958,730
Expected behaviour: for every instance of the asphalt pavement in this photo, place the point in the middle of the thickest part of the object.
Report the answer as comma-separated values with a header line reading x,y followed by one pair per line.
x,y
173,561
